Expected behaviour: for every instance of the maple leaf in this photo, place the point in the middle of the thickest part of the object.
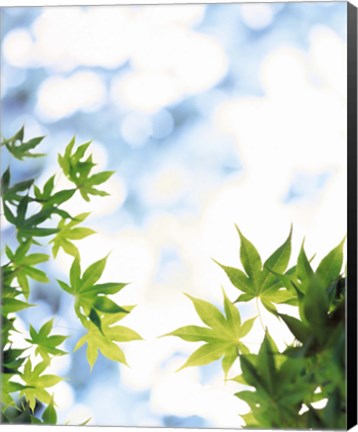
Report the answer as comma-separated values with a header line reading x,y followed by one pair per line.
x,y
222,336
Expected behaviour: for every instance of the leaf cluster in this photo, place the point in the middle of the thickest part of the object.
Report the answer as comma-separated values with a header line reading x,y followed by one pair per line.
x,y
282,387
97,311
34,213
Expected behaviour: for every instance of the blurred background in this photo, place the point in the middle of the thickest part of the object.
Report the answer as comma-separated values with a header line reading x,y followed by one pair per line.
x,y
210,115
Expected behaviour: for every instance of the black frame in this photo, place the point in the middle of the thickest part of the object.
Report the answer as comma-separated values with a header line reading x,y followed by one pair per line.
x,y
351,332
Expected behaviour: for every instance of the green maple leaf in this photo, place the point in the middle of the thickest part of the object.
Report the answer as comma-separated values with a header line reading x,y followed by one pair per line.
x,y
78,170
280,387
8,387
50,199
22,264
49,416
11,194
12,360
321,305
68,232
98,312
20,149
105,339
46,345
260,280
222,336
37,383
91,298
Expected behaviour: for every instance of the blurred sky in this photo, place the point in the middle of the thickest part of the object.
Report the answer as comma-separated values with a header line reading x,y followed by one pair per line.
x,y
210,115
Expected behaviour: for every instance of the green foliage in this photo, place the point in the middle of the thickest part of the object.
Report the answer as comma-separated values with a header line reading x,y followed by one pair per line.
x,y
222,336
46,345
36,213
21,149
282,387
103,335
68,232
78,169
36,383
260,280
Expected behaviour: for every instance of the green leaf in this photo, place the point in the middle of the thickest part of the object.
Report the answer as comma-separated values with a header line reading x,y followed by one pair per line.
x,y
269,305
78,170
106,288
49,380
208,313
5,180
80,233
297,328
20,149
277,262
93,273
250,259
37,383
36,274
94,317
122,334
61,197
315,306
237,277
233,317
329,269
49,185
49,416
64,286
239,379
92,354
275,295
266,363
229,359
224,334
204,355
11,305
69,231
104,304
193,333
38,232
9,216
101,177
45,330
249,397
85,422
112,351
304,270
75,275
244,297
46,345
246,327
24,284
36,258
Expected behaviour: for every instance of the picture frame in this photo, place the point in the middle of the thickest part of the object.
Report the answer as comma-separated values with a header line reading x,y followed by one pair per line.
x,y
194,205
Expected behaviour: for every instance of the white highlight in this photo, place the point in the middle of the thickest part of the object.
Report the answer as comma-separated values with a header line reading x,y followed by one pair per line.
x,y
257,16
61,97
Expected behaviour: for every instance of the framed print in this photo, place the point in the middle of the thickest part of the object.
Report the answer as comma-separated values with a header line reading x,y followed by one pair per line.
x,y
179,215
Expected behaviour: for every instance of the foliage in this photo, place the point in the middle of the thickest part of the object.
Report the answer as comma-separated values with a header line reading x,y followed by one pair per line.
x,y
37,216
281,388
222,336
